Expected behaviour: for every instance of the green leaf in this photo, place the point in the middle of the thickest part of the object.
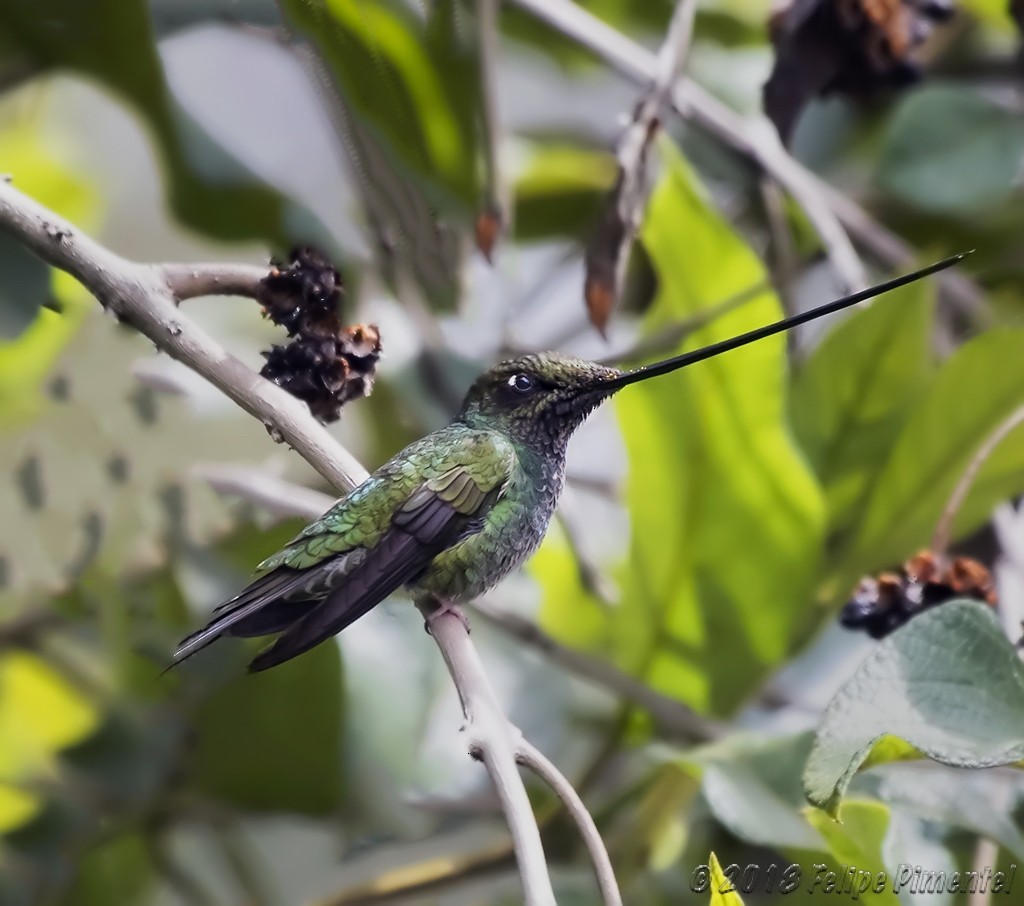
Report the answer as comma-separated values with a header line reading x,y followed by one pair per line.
x,y
116,871
560,191
257,750
751,785
855,843
853,394
976,389
112,41
951,150
726,517
982,802
949,683
406,95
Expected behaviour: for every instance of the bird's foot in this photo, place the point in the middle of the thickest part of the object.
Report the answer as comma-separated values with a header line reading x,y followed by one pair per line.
x,y
446,607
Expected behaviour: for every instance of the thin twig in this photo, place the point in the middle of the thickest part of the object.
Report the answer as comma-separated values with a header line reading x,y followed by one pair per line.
x,y
492,739
494,217
532,758
759,142
944,527
673,718
139,294
258,486
174,874
608,252
671,335
189,281
591,578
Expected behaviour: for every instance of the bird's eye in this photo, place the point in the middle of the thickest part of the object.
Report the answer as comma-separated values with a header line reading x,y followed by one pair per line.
x,y
521,383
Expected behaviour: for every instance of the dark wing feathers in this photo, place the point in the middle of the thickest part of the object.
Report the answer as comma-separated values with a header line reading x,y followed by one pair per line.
x,y
422,528
310,604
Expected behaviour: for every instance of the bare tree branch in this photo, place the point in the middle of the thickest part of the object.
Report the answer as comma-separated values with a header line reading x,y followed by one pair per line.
x,y
758,142
532,758
141,295
608,252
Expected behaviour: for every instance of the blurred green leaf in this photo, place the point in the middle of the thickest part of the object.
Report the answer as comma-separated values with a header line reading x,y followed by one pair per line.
x,y
273,741
949,683
752,788
112,42
560,191
975,390
853,394
116,871
950,149
857,842
406,96
726,518
982,802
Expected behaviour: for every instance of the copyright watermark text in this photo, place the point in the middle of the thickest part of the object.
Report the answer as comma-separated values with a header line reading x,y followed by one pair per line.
x,y
851,881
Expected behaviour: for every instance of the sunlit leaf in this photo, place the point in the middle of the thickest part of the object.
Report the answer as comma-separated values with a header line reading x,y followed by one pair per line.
x,y
856,849
853,394
726,518
948,682
978,387
723,893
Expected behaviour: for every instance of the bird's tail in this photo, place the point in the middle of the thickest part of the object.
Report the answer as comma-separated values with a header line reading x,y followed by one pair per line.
x,y
256,610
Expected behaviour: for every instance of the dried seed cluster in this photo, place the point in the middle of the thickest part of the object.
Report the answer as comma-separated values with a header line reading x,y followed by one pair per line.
x,y
325,365
853,47
883,604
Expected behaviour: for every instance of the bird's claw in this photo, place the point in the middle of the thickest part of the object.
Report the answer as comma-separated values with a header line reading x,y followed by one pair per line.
x,y
446,607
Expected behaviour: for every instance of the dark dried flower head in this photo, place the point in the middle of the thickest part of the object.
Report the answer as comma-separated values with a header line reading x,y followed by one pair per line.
x,y
303,296
853,47
879,606
325,365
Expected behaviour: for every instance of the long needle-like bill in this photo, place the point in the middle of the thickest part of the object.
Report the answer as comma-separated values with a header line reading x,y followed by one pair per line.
x,y
707,352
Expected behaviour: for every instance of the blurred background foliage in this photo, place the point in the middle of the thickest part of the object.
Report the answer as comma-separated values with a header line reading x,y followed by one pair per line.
x,y
713,524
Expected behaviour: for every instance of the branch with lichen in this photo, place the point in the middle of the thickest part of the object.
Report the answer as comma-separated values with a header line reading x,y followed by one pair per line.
x,y
147,297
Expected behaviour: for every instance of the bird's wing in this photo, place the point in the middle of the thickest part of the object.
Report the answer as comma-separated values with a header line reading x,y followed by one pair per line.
x,y
359,552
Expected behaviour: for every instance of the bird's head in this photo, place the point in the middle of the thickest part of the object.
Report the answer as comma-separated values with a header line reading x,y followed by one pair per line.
x,y
542,397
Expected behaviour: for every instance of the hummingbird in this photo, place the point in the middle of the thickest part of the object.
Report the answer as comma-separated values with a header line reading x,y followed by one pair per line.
x,y
456,511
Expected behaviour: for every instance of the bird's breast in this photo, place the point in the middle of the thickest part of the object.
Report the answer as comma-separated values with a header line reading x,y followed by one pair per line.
x,y
509,533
